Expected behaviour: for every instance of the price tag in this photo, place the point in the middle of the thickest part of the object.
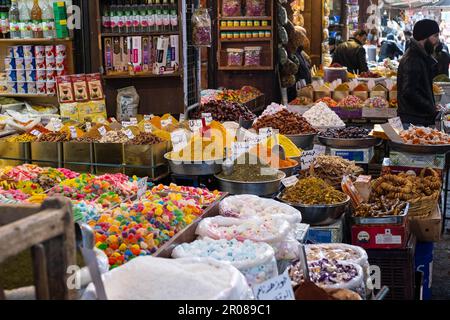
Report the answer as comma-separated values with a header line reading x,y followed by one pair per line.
x,y
251,138
208,117
142,187
126,124
309,156
289,182
73,132
102,130
238,148
278,288
36,133
182,117
148,117
148,128
113,119
265,133
179,140
129,134
88,126
195,125
133,121
57,124
396,124
165,123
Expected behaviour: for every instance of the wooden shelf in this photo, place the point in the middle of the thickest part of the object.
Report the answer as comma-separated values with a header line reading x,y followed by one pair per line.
x,y
138,34
268,28
35,41
245,18
145,75
261,68
27,95
247,40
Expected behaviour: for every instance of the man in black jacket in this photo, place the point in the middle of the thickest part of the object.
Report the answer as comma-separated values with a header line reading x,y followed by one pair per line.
x,y
389,49
351,54
416,104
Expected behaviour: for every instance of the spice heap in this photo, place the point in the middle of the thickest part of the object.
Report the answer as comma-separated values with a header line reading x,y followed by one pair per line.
x,y
322,116
328,101
249,168
301,101
288,123
200,149
223,111
332,169
246,94
350,102
267,157
382,207
376,102
313,191
406,187
25,137
423,135
325,272
346,133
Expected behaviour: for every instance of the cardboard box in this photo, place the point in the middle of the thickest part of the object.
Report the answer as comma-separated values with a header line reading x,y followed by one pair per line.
x,y
80,87
427,229
380,236
69,110
146,52
124,54
137,54
95,86
117,55
389,168
435,161
65,89
108,49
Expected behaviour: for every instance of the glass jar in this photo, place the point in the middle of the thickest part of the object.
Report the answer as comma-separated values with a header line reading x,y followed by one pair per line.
x,y
256,23
255,34
252,56
229,24
223,23
242,35
248,35
243,23
236,35
235,57
268,34
249,23
264,23
229,35
236,24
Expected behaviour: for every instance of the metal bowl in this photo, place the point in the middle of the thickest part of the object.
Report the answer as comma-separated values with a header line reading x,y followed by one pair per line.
x,y
303,141
289,171
319,215
420,148
262,188
194,168
349,143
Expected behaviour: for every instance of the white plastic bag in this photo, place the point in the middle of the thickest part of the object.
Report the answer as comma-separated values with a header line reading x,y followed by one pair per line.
x,y
149,278
127,103
247,206
256,260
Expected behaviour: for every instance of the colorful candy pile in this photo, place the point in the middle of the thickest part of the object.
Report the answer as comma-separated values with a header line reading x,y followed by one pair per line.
x,y
350,102
202,196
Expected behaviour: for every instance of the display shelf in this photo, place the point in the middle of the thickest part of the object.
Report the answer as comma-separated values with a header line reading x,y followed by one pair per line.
x,y
27,95
144,75
140,34
268,28
226,68
34,41
247,40
245,18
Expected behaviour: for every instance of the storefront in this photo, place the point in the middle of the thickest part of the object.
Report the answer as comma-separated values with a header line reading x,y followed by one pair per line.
x,y
109,144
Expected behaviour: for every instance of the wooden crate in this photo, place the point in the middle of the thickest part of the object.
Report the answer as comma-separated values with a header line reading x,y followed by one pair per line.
x,y
49,232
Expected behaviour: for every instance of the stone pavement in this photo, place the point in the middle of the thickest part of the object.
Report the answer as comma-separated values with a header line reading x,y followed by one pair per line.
x,y
441,266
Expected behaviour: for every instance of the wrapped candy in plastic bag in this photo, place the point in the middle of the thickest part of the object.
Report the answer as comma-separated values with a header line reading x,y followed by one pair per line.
x,y
256,260
149,278
201,28
255,8
247,206
231,8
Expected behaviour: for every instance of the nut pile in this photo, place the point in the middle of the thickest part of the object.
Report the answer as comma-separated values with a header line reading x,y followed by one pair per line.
x,y
346,133
223,111
382,207
145,138
54,137
288,123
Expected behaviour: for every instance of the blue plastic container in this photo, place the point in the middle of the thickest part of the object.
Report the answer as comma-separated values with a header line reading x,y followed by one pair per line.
x,y
424,263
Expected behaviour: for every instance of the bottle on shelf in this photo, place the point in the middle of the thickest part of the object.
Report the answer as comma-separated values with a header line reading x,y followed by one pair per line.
x,y
114,18
128,14
173,16
150,16
121,20
48,21
143,18
26,31
36,18
106,18
14,20
4,23
135,15
158,16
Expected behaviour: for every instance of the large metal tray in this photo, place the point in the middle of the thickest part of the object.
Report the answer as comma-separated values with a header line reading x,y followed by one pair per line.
x,y
303,141
319,215
398,220
420,148
263,188
194,168
349,143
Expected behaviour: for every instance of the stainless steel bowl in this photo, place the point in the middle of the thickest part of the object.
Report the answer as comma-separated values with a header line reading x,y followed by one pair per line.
x,y
195,168
263,188
349,143
289,171
319,215
420,148
303,141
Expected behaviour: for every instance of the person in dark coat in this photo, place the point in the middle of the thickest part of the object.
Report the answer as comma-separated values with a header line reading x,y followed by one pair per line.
x,y
304,73
408,36
351,54
443,59
389,49
416,103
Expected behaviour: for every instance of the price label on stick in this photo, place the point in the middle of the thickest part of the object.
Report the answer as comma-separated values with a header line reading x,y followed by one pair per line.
x,y
195,125
57,124
36,133
396,124
278,288
147,128
239,148
265,132
148,117
102,130
290,181
129,134
167,122
133,121
142,187
73,132
182,117
88,126
208,118
179,140
309,156
251,138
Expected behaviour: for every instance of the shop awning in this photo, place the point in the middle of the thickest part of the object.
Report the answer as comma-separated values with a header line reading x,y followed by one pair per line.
x,y
441,4
405,4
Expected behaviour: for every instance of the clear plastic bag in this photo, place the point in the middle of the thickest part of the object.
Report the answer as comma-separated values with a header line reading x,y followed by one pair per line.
x,y
257,266
231,8
255,8
127,103
252,56
149,278
235,57
201,28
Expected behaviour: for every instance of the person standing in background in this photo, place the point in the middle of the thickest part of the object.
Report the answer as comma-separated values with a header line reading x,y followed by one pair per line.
x,y
408,36
351,54
389,49
416,103
442,56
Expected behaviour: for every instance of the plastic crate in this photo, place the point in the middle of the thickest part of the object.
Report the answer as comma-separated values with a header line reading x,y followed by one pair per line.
x,y
397,269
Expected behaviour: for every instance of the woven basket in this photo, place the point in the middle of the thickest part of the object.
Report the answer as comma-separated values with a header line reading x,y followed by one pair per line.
x,y
424,206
